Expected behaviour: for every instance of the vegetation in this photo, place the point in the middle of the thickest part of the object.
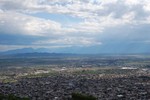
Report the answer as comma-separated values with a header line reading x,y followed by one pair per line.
x,y
11,97
116,71
79,96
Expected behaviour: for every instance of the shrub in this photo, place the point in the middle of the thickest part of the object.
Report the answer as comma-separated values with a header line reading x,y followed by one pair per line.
x,y
11,97
79,96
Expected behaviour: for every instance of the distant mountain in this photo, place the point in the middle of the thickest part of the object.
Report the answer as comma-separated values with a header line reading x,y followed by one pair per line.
x,y
30,52
37,54
24,50
102,49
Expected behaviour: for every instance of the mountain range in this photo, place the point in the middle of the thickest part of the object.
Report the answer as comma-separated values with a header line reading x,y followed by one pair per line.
x,y
80,50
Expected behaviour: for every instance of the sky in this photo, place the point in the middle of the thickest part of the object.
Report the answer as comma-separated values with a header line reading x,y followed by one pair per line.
x,y
76,26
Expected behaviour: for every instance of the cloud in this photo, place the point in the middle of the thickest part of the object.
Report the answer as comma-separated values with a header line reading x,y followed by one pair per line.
x,y
70,41
18,23
12,47
97,18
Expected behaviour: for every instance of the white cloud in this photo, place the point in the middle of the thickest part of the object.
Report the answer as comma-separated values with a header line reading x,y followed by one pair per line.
x,y
70,41
129,17
24,24
12,47
132,2
146,7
